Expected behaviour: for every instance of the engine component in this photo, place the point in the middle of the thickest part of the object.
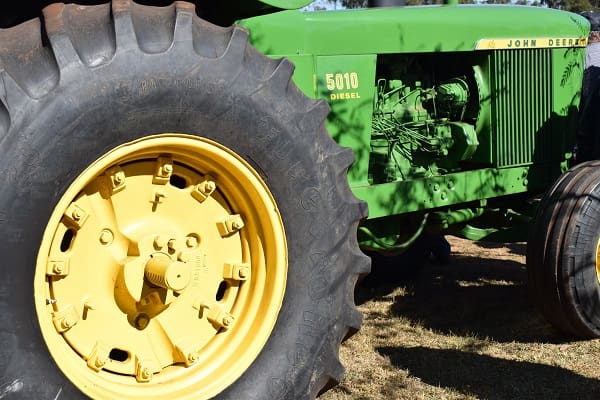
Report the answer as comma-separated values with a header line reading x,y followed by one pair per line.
x,y
418,130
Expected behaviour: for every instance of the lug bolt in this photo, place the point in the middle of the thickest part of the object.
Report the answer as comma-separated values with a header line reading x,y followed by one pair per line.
x,y
106,237
191,242
243,273
210,186
167,169
67,323
192,357
236,225
99,363
227,321
141,321
57,268
145,373
76,214
119,177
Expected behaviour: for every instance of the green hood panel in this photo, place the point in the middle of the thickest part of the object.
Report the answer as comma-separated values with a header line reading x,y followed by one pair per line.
x,y
287,4
410,29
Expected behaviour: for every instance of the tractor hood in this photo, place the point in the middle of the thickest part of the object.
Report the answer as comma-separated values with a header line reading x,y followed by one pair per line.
x,y
225,12
415,29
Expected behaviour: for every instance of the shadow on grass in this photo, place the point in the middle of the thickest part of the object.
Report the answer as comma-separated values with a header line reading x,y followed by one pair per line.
x,y
471,296
491,378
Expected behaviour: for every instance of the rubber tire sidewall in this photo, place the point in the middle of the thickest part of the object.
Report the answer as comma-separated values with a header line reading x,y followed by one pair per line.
x,y
561,253
579,273
52,140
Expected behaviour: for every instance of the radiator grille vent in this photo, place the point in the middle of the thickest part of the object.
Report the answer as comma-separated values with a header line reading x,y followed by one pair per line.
x,y
521,104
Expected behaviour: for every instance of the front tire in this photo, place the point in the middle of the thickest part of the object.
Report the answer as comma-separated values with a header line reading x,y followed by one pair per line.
x,y
563,253
140,135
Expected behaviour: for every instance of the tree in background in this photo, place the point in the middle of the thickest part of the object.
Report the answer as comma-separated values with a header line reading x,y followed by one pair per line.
x,y
356,3
573,5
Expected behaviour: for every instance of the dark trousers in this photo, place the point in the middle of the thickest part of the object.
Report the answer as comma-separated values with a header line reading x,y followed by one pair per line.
x,y
588,135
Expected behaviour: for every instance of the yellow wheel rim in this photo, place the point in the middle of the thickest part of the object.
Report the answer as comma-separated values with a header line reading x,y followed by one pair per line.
x,y
598,261
161,271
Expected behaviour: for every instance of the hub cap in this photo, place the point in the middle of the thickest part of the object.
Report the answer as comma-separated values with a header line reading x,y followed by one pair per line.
x,y
161,271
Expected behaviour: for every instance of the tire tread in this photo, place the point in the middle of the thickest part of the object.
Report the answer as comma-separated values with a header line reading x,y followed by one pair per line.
x,y
27,60
550,278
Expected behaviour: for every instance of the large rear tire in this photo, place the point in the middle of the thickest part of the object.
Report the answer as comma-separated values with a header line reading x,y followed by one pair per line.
x,y
563,253
175,220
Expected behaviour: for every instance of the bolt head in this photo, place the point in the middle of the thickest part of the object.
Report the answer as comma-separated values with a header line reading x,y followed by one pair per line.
x,y
99,363
227,321
76,215
167,169
67,323
210,186
106,237
192,357
146,373
119,177
142,321
191,242
57,268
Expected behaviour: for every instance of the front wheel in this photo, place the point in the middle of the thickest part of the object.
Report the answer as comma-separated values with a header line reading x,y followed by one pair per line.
x,y
563,255
176,222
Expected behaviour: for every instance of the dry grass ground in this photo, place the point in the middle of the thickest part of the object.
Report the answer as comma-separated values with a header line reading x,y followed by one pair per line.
x,y
462,331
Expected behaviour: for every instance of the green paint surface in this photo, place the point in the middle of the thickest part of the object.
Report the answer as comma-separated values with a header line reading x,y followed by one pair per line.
x,y
526,95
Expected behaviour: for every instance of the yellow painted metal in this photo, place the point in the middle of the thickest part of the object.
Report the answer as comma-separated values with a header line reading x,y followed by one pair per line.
x,y
598,261
161,271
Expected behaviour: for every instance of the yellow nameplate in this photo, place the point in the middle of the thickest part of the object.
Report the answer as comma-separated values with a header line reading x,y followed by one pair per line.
x,y
530,43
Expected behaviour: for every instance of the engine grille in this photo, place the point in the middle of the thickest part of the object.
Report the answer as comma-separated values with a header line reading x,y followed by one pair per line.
x,y
521,105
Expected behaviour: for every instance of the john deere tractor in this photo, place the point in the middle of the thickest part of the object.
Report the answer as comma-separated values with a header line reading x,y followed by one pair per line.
x,y
183,205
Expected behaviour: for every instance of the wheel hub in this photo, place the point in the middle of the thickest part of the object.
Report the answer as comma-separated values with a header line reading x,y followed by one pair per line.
x,y
164,263
163,272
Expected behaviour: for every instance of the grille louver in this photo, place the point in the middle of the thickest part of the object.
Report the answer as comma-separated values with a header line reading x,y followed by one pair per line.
x,y
521,104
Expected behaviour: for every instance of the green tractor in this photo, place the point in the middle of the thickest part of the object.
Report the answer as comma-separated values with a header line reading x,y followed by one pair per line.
x,y
183,205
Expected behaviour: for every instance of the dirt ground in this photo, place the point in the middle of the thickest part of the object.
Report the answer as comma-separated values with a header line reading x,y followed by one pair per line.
x,y
465,330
